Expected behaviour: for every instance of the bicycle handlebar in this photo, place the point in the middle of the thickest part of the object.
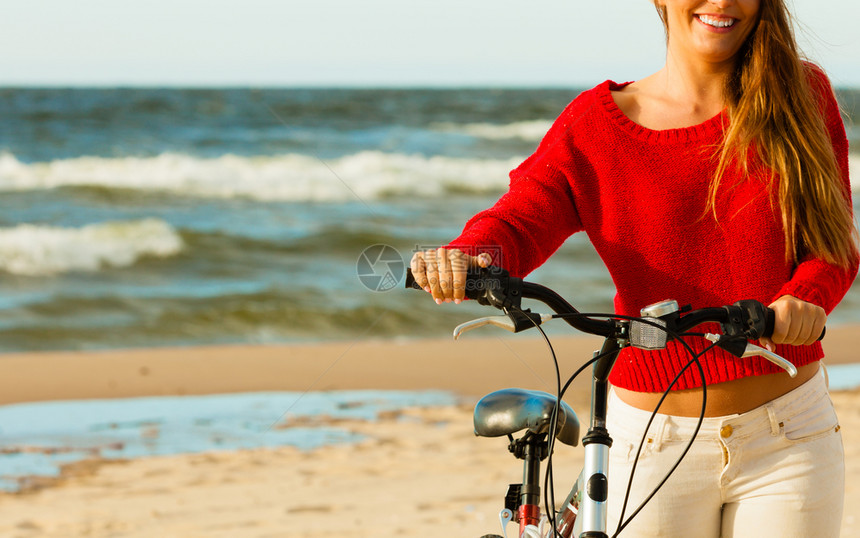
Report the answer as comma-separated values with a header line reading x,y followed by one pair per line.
x,y
741,322
494,286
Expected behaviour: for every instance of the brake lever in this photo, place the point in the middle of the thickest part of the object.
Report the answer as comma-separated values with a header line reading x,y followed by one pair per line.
x,y
499,321
505,322
752,350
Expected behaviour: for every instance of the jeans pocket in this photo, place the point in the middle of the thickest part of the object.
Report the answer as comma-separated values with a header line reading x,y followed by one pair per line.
x,y
812,423
624,449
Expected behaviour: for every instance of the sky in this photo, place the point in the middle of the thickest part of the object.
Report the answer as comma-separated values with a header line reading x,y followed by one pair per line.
x,y
366,43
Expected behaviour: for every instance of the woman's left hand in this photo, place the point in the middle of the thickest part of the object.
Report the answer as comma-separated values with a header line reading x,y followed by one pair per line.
x,y
797,322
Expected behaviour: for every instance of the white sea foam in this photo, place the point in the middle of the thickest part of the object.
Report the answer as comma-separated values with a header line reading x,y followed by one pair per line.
x,y
29,249
368,175
532,130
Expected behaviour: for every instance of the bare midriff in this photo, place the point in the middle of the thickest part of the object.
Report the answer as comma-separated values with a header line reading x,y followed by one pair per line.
x,y
729,398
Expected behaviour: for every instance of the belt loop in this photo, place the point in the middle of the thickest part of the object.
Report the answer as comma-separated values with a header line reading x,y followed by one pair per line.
x,y
660,431
774,423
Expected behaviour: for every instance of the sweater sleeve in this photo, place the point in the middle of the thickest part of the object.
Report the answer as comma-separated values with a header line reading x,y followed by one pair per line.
x,y
814,280
537,214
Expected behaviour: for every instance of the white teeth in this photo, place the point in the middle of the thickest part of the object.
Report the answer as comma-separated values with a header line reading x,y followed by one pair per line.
x,y
717,23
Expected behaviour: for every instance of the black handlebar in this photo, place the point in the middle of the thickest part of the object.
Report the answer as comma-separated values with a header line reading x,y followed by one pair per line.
x,y
493,286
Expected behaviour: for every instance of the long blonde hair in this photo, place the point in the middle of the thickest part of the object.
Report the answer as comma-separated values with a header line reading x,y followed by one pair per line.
x,y
775,116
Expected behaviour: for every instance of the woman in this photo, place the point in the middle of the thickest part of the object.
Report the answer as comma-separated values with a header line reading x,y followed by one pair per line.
x,y
723,176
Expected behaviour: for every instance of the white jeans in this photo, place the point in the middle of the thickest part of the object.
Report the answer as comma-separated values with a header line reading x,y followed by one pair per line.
x,y
775,471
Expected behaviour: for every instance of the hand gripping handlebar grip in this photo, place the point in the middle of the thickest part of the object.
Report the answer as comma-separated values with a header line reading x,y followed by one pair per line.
x,y
479,281
770,321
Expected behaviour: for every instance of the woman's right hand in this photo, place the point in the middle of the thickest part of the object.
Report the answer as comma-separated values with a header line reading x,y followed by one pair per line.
x,y
442,272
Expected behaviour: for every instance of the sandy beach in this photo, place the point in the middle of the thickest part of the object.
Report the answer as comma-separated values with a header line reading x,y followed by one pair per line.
x,y
419,472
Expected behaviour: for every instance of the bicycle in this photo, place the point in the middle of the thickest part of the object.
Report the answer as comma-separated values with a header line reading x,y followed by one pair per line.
x,y
546,418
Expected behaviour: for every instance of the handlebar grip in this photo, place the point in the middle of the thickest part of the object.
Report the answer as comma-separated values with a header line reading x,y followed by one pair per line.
x,y
488,285
473,276
410,280
770,321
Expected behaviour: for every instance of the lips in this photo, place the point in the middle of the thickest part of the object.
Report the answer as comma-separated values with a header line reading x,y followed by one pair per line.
x,y
717,21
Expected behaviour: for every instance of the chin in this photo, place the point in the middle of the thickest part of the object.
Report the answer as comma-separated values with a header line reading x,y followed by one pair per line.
x,y
718,55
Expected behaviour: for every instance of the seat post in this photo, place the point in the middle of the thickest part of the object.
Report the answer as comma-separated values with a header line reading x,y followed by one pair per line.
x,y
531,449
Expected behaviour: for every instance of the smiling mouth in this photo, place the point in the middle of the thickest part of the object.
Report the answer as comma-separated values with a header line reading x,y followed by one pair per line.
x,y
717,22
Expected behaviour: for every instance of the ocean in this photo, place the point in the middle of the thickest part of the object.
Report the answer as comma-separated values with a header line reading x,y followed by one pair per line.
x,y
173,217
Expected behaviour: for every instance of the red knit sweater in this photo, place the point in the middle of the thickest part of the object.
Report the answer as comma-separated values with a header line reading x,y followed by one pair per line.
x,y
640,194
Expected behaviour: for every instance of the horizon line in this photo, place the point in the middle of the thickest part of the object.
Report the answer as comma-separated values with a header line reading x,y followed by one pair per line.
x,y
315,86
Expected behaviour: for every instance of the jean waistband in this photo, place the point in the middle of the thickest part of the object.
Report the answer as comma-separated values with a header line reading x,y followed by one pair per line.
x,y
627,420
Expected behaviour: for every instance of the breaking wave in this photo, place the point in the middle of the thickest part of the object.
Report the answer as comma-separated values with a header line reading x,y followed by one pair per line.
x,y
33,250
369,175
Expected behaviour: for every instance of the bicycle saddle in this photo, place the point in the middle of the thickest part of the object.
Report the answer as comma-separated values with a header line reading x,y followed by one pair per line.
x,y
507,411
